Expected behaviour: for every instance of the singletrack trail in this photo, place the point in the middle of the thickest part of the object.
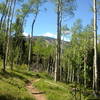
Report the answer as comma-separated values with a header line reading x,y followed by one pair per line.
x,y
34,91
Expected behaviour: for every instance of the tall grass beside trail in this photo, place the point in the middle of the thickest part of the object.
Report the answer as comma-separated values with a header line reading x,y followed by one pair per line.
x,y
13,85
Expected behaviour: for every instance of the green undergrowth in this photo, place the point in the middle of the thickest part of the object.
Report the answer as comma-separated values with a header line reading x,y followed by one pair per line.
x,y
13,85
61,91
56,90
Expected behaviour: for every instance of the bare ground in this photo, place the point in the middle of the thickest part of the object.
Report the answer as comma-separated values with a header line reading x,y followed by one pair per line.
x,y
38,95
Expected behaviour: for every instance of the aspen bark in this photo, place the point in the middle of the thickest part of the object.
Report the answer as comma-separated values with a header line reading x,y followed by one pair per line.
x,y
95,70
30,43
57,63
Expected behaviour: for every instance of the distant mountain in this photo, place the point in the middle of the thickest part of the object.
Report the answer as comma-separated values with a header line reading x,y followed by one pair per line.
x,y
47,39
50,39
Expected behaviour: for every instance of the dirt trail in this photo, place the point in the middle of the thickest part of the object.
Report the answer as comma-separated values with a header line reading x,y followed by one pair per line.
x,y
35,92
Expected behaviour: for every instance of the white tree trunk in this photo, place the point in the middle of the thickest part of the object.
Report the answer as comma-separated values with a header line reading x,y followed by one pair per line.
x,y
95,70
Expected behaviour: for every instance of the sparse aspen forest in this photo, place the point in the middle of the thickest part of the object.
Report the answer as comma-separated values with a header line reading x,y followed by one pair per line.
x,y
64,65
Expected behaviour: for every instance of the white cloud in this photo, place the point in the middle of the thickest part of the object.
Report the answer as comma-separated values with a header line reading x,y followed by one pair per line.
x,y
52,35
49,35
67,32
67,39
25,34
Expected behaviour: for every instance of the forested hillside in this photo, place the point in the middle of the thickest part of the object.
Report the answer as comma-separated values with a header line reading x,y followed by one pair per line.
x,y
65,67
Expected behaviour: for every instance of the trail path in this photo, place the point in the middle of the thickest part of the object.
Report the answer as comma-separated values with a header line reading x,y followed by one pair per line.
x,y
35,92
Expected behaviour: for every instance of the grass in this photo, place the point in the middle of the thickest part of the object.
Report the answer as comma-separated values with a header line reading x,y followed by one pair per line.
x,y
56,90
13,83
61,91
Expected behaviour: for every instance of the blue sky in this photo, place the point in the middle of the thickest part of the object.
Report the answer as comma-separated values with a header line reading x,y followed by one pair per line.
x,y
46,22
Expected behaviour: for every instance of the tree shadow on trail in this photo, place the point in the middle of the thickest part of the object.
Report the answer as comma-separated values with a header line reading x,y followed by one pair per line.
x,y
10,97
14,75
36,75
25,73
